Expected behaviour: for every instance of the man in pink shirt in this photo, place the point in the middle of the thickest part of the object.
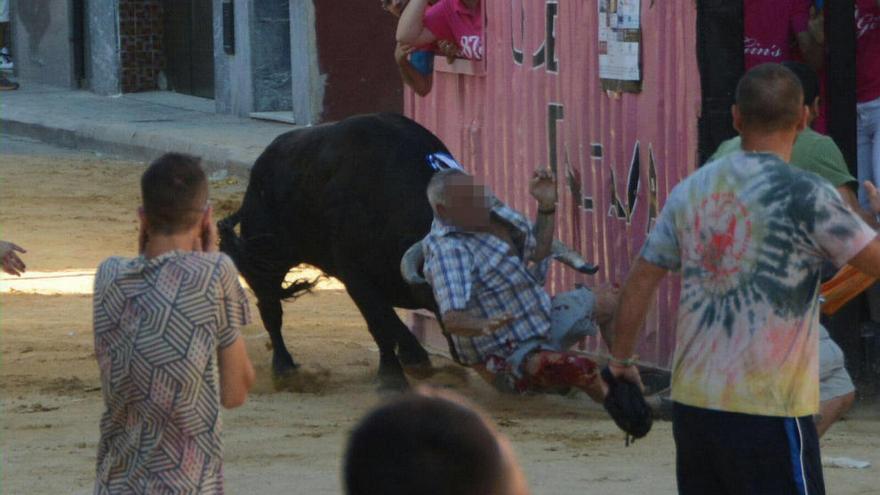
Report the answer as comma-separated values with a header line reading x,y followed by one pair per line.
x,y
457,21
774,29
868,91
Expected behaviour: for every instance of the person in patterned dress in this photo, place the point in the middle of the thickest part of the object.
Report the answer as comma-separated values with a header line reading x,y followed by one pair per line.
x,y
167,343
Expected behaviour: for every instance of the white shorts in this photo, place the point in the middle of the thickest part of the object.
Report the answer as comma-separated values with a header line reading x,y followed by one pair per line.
x,y
834,380
4,10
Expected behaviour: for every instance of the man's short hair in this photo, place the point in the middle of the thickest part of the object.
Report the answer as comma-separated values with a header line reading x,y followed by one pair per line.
x,y
770,98
175,193
808,78
423,445
437,185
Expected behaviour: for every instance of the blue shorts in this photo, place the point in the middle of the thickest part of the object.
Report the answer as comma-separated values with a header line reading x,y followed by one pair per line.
x,y
743,454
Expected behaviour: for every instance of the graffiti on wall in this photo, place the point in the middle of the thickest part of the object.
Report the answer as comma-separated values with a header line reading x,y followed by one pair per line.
x,y
622,206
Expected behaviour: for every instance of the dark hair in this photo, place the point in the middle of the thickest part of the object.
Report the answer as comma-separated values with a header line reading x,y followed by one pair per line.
x,y
174,190
808,78
418,445
770,98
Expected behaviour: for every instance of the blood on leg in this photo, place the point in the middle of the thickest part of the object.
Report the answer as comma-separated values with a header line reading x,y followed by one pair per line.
x,y
548,370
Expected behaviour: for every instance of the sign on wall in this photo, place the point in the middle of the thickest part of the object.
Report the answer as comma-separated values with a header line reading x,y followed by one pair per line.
x,y
620,37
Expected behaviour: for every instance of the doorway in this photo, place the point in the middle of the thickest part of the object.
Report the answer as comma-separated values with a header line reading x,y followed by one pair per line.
x,y
189,46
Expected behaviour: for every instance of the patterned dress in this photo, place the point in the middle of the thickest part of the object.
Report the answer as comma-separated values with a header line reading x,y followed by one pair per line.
x,y
158,326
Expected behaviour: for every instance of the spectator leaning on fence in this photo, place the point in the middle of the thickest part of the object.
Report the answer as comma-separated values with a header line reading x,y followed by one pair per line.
x,y
416,64
457,21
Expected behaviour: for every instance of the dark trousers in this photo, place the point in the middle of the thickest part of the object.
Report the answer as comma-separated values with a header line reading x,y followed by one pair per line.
x,y
723,453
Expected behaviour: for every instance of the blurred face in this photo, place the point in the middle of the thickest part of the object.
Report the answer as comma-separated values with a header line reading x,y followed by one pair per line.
x,y
468,204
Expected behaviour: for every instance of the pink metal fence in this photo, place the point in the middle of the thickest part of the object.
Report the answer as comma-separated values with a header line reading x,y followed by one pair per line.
x,y
540,103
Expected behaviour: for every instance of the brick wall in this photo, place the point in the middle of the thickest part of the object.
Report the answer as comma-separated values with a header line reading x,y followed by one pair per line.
x,y
140,35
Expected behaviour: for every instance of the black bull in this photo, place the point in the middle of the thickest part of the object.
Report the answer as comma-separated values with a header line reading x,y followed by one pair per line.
x,y
348,198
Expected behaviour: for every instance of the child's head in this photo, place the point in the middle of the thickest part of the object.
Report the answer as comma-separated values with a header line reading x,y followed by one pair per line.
x,y
175,194
430,443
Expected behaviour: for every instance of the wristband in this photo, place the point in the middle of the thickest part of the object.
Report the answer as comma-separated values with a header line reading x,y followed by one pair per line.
x,y
548,211
626,363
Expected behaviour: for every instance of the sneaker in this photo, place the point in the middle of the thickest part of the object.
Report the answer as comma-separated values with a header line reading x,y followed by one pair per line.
x,y
7,85
5,60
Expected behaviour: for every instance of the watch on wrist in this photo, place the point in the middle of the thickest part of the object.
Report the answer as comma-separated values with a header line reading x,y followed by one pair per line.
x,y
547,211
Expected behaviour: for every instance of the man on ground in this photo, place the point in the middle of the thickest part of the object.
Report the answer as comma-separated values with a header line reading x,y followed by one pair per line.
x,y
486,265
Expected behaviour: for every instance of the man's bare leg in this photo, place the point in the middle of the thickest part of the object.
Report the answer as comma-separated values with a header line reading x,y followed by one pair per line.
x,y
607,299
832,410
548,370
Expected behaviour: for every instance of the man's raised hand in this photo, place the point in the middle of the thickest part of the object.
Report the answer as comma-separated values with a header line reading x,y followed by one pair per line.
x,y
542,187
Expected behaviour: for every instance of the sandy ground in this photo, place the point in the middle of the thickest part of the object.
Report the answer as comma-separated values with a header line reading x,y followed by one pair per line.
x,y
73,209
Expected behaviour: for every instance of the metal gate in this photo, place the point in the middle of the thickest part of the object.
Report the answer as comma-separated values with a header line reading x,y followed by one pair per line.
x,y
189,46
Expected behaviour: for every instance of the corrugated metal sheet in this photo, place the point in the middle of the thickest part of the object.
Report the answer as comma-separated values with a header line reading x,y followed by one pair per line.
x,y
540,103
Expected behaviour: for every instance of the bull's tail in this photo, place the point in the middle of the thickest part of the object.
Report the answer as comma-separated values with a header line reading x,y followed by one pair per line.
x,y
230,242
259,270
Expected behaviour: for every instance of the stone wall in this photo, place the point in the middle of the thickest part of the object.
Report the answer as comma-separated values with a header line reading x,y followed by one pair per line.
x,y
141,51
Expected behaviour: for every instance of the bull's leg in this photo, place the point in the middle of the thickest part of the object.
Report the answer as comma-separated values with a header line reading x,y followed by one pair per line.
x,y
409,350
381,322
272,314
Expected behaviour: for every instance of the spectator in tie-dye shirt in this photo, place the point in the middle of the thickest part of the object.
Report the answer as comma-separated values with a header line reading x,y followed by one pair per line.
x,y
749,234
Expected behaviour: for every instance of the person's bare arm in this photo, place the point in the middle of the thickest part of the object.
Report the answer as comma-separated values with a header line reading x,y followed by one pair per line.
x,y
850,198
868,259
543,188
873,196
635,299
419,82
12,263
236,374
463,324
811,49
411,28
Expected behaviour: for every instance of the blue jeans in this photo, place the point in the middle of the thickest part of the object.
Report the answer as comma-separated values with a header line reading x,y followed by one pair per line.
x,y
868,146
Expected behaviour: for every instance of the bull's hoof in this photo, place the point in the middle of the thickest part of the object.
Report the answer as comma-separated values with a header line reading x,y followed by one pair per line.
x,y
415,357
420,371
283,371
392,383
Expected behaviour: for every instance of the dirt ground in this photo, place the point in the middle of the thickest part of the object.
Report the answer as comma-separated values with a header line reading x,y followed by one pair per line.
x,y
70,210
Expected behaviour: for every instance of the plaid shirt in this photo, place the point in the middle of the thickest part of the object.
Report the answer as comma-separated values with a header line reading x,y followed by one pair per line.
x,y
476,272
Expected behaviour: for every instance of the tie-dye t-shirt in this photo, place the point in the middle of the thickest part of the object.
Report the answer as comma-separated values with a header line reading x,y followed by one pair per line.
x,y
749,233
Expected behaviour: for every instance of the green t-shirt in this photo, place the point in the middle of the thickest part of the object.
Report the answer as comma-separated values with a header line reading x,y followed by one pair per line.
x,y
812,152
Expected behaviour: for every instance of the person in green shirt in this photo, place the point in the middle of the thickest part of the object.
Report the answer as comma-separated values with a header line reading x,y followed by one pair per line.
x,y
812,151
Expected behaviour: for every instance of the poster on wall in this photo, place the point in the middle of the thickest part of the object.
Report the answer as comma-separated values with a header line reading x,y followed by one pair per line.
x,y
620,38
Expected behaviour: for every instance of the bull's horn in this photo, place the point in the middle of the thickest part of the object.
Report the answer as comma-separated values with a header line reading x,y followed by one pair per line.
x,y
572,258
411,265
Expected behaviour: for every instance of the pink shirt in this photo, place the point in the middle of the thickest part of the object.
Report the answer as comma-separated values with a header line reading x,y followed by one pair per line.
x,y
770,29
867,50
454,21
